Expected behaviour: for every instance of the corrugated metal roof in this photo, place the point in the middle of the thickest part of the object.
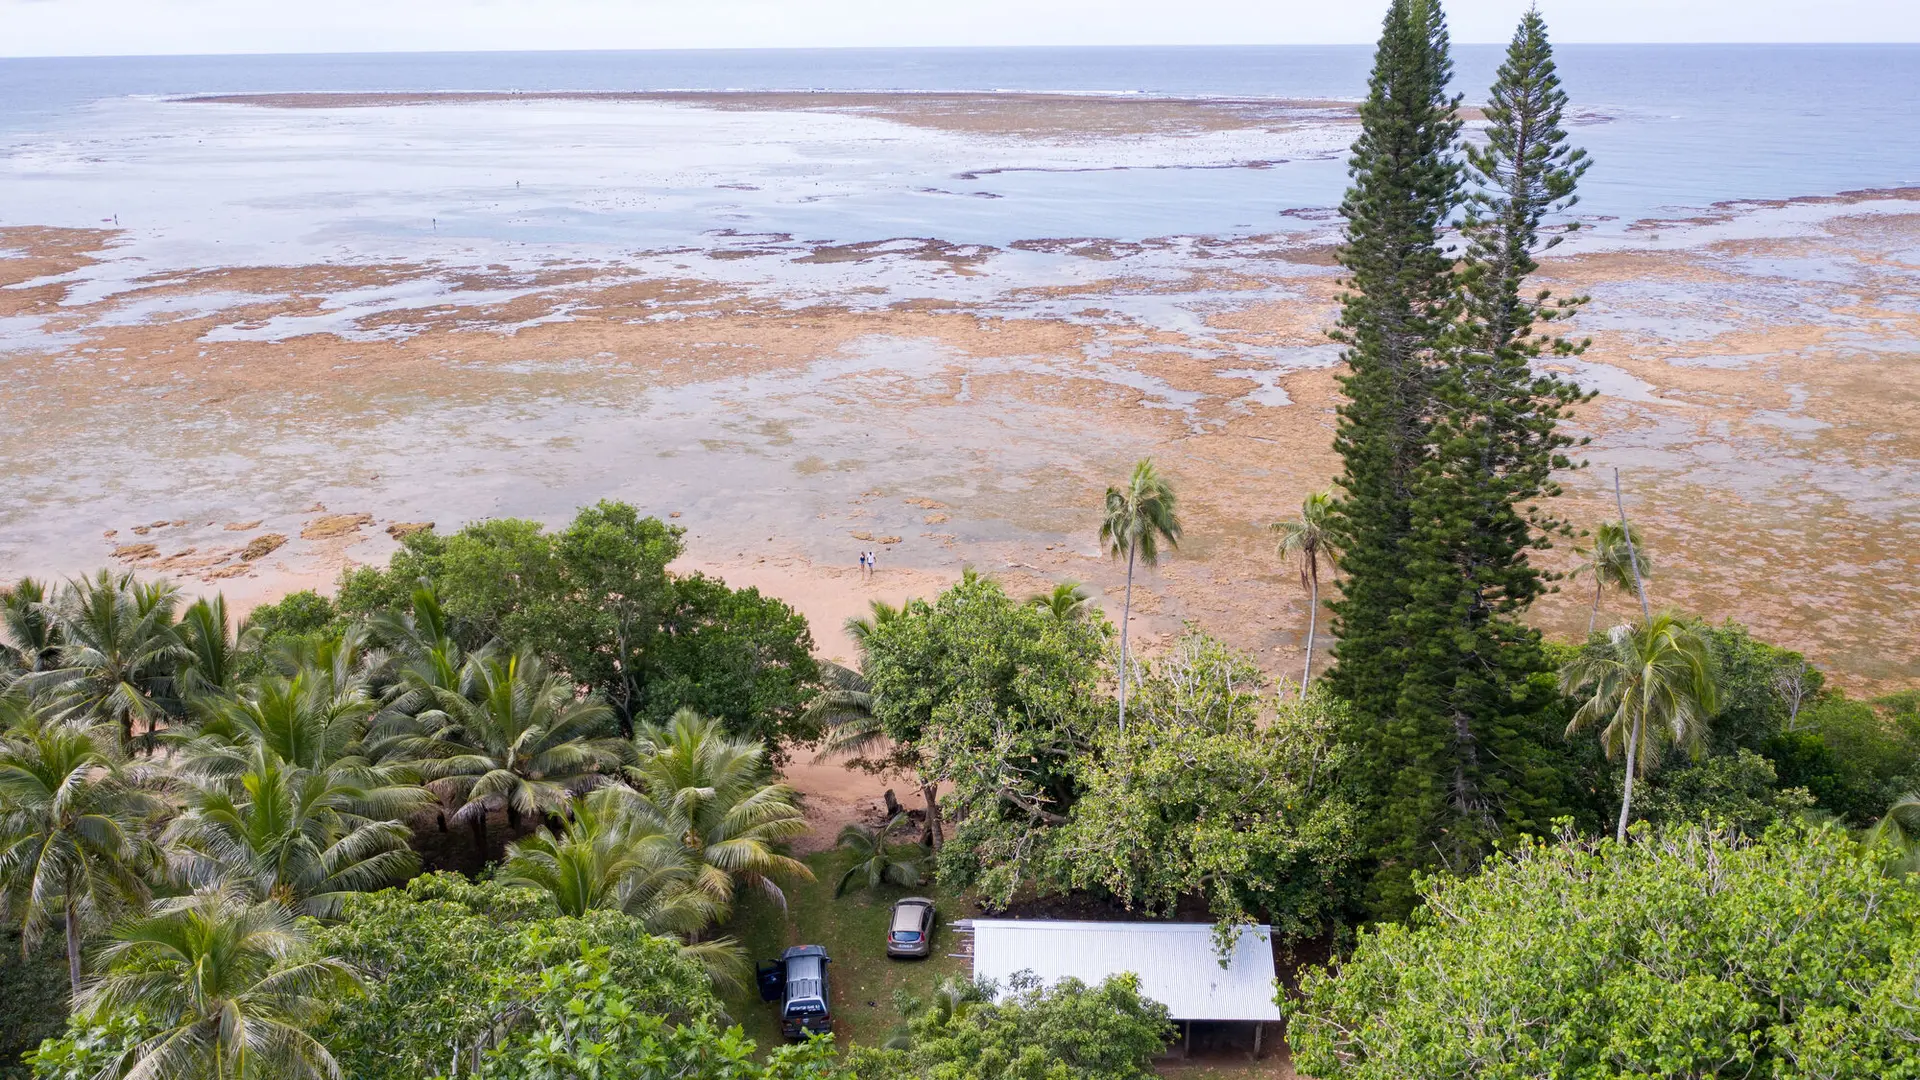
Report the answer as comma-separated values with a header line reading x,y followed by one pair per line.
x,y
1175,962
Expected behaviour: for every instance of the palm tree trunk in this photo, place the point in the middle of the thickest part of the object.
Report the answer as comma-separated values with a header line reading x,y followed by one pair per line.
x,y
1633,557
1126,622
480,835
1594,617
1313,621
1626,797
73,945
935,837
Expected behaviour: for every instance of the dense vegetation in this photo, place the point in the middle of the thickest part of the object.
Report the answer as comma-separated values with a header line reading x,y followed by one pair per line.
x,y
1666,849
1683,954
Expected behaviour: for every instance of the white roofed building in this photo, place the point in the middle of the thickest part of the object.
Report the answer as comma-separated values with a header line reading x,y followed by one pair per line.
x,y
1175,963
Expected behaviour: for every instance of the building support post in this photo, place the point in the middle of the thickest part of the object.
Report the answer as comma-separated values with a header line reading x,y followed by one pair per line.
x,y
1186,1039
1258,1029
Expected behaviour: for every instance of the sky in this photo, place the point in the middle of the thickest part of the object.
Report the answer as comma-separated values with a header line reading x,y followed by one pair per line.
x,y
136,27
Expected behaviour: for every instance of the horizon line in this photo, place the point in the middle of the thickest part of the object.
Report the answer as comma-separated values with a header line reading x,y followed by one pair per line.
x,y
928,48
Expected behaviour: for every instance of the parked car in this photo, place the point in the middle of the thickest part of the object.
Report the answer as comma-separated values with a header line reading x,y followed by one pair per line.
x,y
911,931
798,981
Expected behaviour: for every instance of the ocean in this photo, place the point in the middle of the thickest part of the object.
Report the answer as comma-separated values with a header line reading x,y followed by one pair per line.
x,y
1672,130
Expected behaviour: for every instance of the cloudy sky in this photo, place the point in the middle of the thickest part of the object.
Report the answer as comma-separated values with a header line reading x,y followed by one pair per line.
x,y
104,27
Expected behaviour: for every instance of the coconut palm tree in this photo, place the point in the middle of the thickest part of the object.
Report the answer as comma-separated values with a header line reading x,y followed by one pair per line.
x,y
307,719
1067,602
1138,517
1648,686
609,858
118,651
879,614
877,859
427,655
29,636
1310,536
233,984
1898,830
1610,562
210,665
714,792
73,820
303,837
613,856
513,736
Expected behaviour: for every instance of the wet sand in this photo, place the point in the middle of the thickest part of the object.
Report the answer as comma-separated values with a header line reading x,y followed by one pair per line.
x,y
288,365
1758,393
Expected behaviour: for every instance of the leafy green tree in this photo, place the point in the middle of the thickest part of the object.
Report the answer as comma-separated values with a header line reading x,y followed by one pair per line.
x,y
1647,687
614,563
119,651
1067,1031
294,615
1609,561
1855,756
233,987
1737,793
595,601
73,841
1310,537
1138,517
998,700
736,655
452,966
582,1025
1206,797
514,737
1686,955
877,860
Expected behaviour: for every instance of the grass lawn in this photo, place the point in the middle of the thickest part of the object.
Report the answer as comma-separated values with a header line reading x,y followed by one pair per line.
x,y
854,931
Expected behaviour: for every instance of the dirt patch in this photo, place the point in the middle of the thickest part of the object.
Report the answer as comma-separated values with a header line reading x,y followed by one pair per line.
x,y
400,530
135,552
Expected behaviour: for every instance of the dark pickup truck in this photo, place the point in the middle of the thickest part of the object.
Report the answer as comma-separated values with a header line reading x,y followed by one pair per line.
x,y
798,981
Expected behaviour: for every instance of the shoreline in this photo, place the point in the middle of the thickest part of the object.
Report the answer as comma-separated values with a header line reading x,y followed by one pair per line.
x,y
1753,387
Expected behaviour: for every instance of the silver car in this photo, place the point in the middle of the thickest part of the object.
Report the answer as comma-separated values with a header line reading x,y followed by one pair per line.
x,y
911,931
